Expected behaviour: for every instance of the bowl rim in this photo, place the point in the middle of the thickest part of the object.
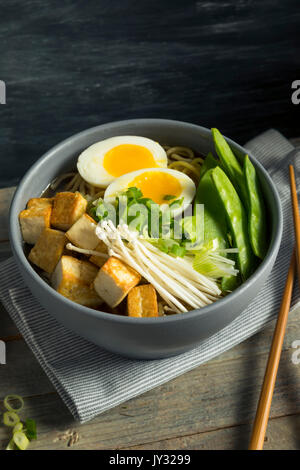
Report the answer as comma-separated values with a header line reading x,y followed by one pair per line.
x,y
223,302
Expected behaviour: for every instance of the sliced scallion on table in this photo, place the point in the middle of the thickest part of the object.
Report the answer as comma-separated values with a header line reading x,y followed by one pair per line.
x,y
10,398
18,427
21,440
11,445
10,418
21,435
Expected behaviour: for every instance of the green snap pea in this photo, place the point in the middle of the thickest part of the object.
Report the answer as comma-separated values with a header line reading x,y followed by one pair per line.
x,y
230,283
257,224
230,165
209,162
215,224
237,220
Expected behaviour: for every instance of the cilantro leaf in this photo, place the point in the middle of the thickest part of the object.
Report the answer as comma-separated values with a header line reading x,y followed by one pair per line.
x,y
30,426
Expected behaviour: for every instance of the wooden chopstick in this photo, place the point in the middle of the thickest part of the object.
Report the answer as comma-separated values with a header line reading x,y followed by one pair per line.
x,y
296,217
265,399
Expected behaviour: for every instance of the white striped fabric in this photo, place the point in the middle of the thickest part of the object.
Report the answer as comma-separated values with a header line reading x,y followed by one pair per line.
x,y
91,380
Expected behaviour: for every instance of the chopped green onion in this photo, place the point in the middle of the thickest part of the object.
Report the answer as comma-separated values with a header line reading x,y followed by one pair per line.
x,y
18,427
8,406
168,197
10,418
22,433
193,229
11,445
210,263
169,246
178,250
134,193
177,203
20,440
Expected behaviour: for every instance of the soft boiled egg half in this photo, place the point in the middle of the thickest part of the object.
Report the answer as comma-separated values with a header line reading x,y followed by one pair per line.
x,y
162,185
103,162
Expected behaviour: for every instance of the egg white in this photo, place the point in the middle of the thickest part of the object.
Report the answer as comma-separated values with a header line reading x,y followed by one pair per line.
x,y
90,161
121,184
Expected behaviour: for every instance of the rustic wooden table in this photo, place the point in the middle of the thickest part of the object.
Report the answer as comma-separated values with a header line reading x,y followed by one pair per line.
x,y
211,407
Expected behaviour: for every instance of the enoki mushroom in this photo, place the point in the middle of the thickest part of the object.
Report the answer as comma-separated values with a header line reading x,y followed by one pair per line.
x,y
84,251
174,278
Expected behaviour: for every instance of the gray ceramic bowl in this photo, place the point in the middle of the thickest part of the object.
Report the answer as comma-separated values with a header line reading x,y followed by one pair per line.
x,y
141,338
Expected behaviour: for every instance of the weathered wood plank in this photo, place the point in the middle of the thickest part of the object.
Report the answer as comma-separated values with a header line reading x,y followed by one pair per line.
x,y
219,394
22,373
163,414
5,200
280,435
5,249
257,345
7,327
53,420
200,62
296,141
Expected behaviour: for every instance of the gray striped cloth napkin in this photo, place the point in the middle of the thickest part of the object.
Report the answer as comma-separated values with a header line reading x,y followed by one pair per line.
x,y
91,380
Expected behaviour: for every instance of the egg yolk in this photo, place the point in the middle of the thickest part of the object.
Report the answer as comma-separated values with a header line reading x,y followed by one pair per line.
x,y
157,185
126,158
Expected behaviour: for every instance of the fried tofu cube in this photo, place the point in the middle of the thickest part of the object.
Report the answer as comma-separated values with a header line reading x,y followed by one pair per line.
x,y
40,202
48,250
114,281
99,260
67,209
83,233
72,278
33,221
142,302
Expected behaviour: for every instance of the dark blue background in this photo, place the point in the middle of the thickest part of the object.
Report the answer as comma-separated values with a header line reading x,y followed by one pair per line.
x,y
69,65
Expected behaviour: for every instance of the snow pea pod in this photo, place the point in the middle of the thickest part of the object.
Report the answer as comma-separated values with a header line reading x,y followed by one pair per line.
x,y
230,283
237,220
209,162
257,224
230,165
215,225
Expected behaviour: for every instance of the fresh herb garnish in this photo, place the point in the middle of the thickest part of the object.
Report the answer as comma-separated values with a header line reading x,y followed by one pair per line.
x,y
170,246
30,429
151,220
177,202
